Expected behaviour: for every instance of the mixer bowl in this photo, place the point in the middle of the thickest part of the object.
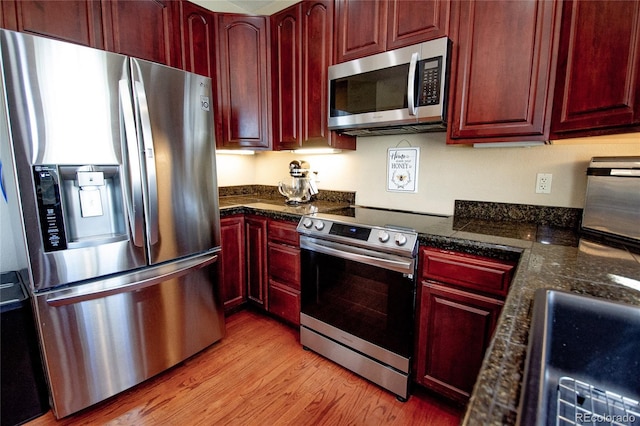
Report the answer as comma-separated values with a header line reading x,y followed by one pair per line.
x,y
296,190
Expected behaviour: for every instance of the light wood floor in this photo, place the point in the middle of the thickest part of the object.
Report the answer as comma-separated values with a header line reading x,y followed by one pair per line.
x,y
260,375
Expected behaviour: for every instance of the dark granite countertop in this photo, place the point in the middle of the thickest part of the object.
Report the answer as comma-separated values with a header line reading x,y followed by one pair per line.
x,y
550,256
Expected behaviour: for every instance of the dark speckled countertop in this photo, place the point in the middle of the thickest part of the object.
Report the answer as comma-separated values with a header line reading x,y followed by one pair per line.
x,y
550,253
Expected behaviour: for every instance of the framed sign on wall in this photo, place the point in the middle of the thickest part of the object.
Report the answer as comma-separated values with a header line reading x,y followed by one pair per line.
x,y
402,169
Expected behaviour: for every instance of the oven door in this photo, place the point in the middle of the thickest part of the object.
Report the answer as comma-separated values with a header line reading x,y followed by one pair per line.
x,y
361,292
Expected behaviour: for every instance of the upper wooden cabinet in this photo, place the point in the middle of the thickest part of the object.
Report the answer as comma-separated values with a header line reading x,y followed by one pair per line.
x,y
367,27
77,21
286,83
244,98
197,29
301,51
142,28
502,68
412,22
362,28
598,79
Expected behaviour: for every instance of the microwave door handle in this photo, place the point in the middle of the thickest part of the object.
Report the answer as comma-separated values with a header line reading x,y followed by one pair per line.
x,y
411,78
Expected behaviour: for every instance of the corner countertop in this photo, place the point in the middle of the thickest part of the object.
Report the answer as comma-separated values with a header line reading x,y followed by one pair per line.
x,y
548,258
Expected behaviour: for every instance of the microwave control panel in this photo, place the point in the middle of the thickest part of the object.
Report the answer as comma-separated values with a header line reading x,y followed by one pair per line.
x,y
430,74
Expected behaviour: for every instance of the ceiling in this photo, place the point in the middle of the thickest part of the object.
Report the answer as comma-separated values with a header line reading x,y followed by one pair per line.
x,y
258,7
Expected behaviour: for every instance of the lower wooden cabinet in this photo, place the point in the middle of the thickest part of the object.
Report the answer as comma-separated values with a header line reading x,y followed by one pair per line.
x,y
256,260
233,282
284,302
460,297
284,264
284,271
454,332
260,264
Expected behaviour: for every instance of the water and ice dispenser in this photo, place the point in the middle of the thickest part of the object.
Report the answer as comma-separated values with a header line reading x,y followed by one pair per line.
x,y
79,206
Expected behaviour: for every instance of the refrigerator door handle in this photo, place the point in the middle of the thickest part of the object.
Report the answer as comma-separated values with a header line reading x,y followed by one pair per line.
x,y
129,282
149,155
134,194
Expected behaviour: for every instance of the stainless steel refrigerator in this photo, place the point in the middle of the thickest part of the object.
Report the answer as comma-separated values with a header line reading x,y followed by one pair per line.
x,y
114,163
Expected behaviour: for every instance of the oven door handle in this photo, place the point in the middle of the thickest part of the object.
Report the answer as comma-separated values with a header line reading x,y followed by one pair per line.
x,y
403,266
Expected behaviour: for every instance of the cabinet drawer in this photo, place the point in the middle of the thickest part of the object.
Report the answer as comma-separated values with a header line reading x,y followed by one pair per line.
x,y
284,264
467,271
284,302
284,232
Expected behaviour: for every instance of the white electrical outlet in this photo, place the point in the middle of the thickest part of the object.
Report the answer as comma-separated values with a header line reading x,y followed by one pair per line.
x,y
543,183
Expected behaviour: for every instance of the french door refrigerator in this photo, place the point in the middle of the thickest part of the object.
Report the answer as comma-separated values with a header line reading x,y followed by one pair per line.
x,y
114,163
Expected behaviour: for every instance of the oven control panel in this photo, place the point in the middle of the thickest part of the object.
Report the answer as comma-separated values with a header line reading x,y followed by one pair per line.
x,y
375,237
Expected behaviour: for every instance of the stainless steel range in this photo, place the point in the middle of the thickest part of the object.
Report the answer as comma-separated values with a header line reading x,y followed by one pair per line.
x,y
358,292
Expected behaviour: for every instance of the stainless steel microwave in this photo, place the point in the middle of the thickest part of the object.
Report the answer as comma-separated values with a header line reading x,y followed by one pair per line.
x,y
395,92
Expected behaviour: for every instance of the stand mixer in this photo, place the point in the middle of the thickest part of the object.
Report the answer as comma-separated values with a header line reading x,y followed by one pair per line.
x,y
298,188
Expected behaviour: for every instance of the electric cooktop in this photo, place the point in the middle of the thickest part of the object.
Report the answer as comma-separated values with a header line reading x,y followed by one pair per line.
x,y
387,218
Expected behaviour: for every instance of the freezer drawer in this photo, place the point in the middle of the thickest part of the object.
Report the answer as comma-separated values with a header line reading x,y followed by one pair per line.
x,y
100,342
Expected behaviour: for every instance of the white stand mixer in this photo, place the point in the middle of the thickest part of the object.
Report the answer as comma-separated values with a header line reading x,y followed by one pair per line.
x,y
298,188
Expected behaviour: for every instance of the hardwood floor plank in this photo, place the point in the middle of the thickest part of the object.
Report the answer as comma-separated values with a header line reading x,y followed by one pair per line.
x,y
260,375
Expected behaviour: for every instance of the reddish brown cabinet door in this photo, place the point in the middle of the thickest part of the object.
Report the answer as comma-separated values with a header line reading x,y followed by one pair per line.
x,y
317,53
198,39
301,51
455,330
244,99
78,21
361,28
317,42
256,260
284,302
415,21
502,70
468,272
284,264
141,28
233,284
286,48
598,79
284,233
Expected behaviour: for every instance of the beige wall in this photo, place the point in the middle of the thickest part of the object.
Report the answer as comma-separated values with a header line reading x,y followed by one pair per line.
x,y
446,173
258,7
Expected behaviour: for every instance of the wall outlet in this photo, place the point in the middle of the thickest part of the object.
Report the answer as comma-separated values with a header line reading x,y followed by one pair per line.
x,y
543,183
